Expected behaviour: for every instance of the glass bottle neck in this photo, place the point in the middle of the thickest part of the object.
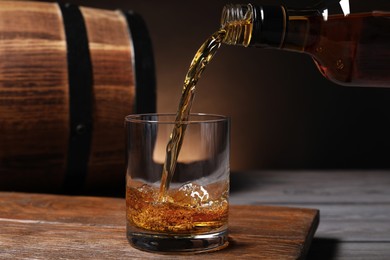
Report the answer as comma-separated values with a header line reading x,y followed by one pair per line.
x,y
237,22
266,26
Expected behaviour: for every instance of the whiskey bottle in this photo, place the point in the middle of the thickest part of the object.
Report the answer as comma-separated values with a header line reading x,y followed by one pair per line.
x,y
348,48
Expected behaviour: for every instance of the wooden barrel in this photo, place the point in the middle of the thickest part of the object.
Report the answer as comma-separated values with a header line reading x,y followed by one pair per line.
x,y
68,77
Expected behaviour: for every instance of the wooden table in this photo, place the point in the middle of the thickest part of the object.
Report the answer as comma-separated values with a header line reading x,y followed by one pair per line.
x,y
354,208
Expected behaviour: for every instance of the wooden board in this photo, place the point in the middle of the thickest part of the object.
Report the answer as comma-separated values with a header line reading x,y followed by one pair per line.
x,y
53,227
354,206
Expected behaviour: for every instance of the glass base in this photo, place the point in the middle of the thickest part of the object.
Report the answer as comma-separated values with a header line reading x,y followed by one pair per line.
x,y
192,244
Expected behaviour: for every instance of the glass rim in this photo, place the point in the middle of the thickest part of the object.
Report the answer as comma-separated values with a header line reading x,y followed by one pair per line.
x,y
211,118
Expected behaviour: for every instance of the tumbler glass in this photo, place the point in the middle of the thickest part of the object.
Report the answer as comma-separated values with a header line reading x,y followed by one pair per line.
x,y
192,215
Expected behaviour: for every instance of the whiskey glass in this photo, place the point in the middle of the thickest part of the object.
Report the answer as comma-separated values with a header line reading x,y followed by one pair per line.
x,y
191,216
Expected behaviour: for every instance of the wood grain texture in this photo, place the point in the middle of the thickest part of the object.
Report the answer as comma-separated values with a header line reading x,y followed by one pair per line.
x,y
325,187
34,96
113,95
48,226
354,206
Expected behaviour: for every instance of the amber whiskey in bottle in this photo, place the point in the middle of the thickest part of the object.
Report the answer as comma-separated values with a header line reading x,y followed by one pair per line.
x,y
351,49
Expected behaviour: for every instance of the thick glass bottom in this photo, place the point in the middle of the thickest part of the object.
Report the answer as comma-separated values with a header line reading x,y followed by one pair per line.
x,y
189,244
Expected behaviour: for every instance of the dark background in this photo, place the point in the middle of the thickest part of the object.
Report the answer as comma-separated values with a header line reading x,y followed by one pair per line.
x,y
284,114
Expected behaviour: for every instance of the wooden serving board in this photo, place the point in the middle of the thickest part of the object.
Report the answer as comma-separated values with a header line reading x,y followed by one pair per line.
x,y
36,226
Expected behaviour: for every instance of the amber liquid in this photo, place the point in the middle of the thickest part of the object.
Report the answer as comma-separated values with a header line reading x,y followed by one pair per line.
x,y
189,209
352,50
202,57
